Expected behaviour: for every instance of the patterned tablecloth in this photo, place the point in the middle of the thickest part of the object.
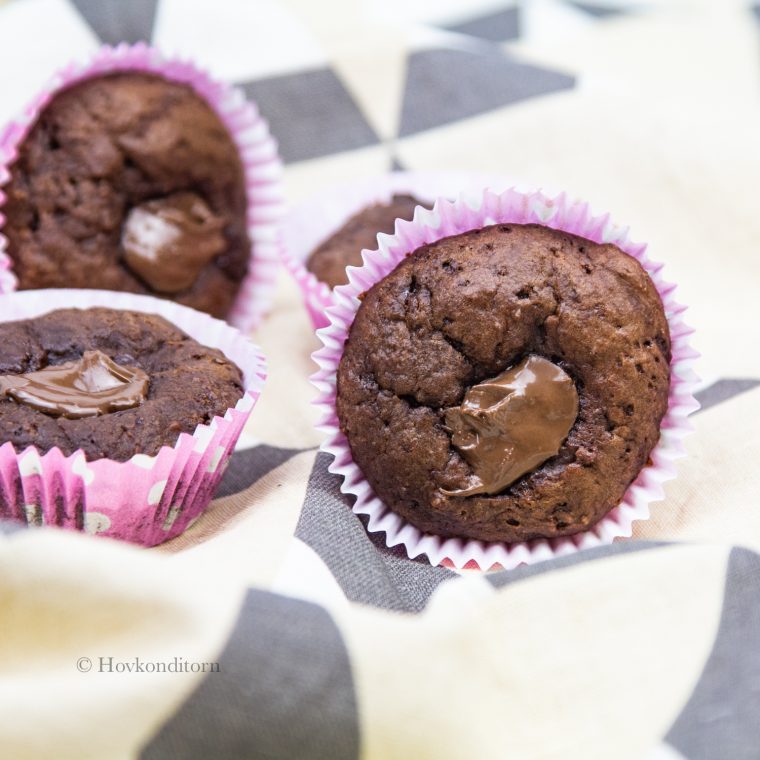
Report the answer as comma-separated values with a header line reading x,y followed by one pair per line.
x,y
318,641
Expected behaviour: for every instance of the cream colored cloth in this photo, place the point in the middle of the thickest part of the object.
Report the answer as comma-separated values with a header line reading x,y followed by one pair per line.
x,y
603,659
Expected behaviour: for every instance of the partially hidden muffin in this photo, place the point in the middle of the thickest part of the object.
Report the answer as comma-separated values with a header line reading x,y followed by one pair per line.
x,y
506,383
112,383
130,182
344,247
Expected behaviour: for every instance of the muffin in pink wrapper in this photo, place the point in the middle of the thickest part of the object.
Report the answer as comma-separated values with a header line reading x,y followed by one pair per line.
x,y
140,173
311,223
511,366
144,499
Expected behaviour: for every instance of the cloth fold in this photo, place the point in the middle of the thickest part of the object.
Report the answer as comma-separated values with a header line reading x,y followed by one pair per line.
x,y
276,626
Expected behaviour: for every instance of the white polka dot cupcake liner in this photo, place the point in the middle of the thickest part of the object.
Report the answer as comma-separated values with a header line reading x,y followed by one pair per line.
x,y
312,221
258,153
147,499
452,218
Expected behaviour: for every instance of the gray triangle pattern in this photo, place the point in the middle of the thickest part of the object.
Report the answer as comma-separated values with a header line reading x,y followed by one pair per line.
x,y
311,114
495,27
599,11
720,719
117,21
444,86
723,390
366,570
246,466
283,688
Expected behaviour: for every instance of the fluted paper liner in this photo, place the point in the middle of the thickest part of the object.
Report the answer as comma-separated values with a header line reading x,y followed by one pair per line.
x,y
147,499
258,154
452,218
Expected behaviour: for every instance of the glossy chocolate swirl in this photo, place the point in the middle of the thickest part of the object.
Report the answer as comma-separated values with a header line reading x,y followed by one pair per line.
x,y
168,241
508,426
93,385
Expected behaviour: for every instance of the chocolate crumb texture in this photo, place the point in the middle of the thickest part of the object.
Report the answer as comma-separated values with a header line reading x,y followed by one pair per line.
x,y
344,247
189,384
104,148
463,310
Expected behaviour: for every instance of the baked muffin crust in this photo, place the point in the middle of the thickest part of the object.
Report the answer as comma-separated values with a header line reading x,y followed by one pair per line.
x,y
102,149
189,383
463,309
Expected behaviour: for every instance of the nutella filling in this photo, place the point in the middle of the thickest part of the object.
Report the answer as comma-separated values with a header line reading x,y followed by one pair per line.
x,y
168,241
93,385
509,425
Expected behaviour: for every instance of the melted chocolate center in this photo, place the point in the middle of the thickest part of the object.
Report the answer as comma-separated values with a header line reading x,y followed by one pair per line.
x,y
509,425
168,241
86,388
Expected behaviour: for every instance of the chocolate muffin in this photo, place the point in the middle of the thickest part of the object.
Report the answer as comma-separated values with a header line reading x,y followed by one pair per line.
x,y
130,182
507,383
112,383
344,248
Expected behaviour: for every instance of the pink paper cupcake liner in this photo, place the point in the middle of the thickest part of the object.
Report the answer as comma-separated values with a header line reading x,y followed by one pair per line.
x,y
309,223
258,152
147,499
447,219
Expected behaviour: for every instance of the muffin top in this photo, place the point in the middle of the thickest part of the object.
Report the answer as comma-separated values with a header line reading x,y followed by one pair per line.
x,y
507,383
112,383
344,247
130,182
